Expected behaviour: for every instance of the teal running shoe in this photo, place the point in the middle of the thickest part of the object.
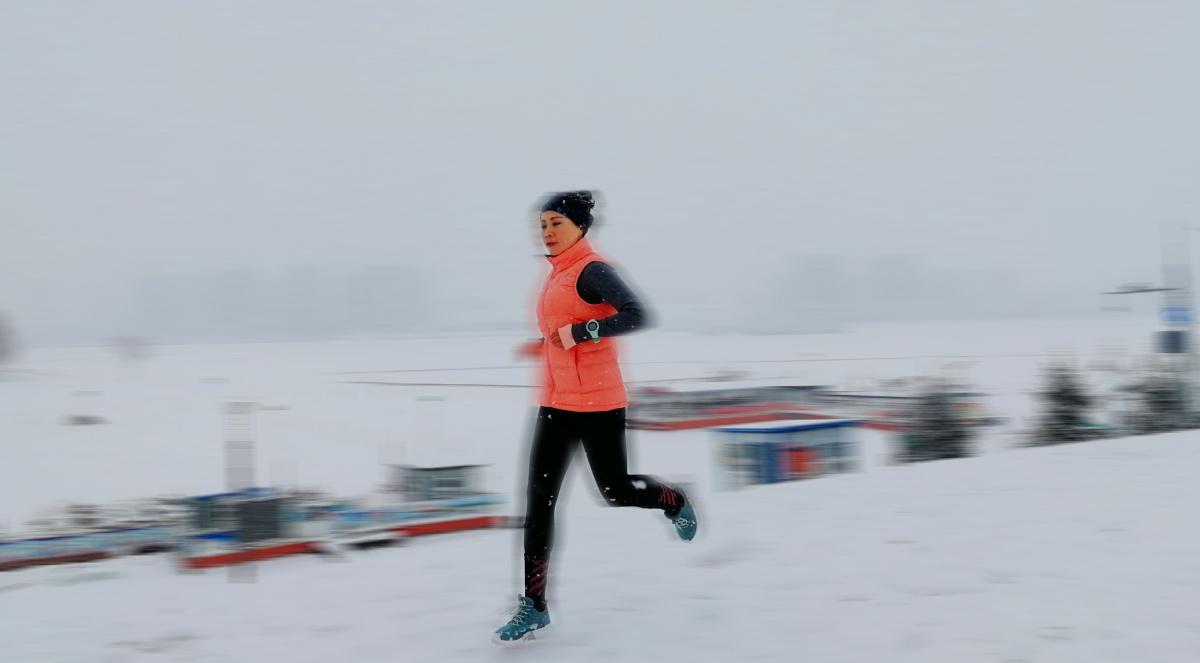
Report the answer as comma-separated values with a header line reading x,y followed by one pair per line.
x,y
685,521
525,620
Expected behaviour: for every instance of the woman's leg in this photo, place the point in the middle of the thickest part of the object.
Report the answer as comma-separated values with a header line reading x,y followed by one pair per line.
x,y
604,443
549,456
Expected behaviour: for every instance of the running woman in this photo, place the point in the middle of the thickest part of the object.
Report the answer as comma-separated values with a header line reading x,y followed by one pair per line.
x,y
583,305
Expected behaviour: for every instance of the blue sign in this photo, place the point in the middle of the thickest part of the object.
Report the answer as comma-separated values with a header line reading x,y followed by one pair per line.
x,y
1177,315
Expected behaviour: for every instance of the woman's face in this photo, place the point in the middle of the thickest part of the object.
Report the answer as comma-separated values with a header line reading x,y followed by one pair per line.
x,y
558,232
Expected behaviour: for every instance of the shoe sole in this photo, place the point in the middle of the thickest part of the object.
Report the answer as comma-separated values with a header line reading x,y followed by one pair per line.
x,y
688,488
687,539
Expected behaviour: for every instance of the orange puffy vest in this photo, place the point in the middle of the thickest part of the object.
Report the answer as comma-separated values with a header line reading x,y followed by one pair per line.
x,y
586,377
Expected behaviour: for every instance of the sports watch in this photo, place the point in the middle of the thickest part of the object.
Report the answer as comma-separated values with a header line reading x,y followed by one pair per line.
x,y
593,330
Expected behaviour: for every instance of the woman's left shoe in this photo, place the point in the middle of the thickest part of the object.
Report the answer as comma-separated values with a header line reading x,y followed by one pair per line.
x,y
525,620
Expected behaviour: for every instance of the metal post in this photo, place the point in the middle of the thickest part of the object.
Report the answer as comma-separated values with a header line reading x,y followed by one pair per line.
x,y
238,422
1178,311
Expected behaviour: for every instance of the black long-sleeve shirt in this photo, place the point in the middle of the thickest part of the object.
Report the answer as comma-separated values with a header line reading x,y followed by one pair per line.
x,y
599,283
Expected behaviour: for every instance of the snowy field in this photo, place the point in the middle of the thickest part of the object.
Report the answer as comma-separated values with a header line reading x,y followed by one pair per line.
x,y
1083,552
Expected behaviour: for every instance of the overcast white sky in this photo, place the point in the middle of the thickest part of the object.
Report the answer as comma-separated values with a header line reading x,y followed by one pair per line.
x,y
1042,141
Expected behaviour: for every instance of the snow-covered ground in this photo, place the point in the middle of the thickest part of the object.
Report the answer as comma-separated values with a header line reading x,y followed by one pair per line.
x,y
1075,553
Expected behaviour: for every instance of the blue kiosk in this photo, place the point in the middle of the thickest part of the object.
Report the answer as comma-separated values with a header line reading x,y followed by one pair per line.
x,y
775,451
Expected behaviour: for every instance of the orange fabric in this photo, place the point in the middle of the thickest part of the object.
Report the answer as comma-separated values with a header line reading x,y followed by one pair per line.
x,y
585,377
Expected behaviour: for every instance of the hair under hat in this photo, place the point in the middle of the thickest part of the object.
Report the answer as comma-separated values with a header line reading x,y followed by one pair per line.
x,y
575,205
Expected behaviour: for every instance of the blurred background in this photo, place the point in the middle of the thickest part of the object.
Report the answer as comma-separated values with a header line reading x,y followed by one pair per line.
x,y
283,170
922,217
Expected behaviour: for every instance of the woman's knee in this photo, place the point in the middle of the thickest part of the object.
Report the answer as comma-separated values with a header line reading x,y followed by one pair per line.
x,y
619,493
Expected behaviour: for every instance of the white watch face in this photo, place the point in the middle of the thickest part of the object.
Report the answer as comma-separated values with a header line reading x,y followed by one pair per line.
x,y
593,326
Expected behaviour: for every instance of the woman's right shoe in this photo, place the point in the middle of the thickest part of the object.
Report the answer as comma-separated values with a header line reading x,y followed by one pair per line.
x,y
684,521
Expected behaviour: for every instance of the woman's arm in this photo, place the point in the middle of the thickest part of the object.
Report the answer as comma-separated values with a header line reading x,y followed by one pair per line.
x,y
530,349
600,283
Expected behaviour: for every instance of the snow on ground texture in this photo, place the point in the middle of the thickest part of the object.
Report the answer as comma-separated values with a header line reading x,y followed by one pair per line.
x,y
1075,553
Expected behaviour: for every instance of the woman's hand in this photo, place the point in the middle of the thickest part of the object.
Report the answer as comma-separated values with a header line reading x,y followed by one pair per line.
x,y
556,340
529,349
